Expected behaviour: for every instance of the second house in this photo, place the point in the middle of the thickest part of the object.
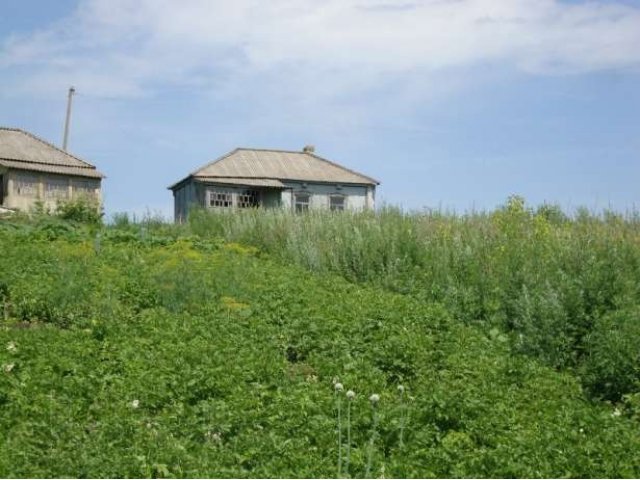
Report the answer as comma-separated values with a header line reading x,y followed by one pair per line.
x,y
296,180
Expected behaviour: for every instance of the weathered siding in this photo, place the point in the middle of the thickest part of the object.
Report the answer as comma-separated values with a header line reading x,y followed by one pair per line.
x,y
24,188
356,197
4,185
184,197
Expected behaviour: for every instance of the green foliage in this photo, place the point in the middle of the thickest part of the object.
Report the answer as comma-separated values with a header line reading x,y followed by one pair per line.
x,y
536,274
82,210
151,350
612,368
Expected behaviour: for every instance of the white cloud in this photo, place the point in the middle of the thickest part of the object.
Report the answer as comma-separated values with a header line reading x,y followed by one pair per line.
x,y
306,48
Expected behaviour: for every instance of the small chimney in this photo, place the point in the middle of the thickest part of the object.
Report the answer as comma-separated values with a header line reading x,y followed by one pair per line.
x,y
309,149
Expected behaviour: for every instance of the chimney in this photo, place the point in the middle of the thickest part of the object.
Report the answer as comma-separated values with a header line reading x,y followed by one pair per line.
x,y
309,149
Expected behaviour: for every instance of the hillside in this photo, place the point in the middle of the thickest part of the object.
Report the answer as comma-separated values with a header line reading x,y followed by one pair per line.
x,y
129,354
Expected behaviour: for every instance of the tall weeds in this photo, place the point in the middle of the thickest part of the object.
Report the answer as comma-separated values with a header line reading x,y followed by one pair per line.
x,y
535,273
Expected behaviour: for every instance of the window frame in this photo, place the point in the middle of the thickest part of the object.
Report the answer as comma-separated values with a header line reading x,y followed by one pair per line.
x,y
301,206
84,188
248,198
56,188
343,202
26,185
219,202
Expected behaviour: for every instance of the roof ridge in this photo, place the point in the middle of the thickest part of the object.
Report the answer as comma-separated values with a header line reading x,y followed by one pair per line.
x,y
35,137
271,150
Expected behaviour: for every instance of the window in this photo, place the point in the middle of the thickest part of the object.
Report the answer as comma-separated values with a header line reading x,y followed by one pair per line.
x,y
302,202
84,188
56,188
248,199
220,199
26,185
336,202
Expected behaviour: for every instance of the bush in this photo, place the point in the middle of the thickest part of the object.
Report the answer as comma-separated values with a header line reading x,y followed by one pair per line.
x,y
80,210
612,367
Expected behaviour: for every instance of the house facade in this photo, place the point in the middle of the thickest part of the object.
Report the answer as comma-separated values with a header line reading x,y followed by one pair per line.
x,y
293,180
33,170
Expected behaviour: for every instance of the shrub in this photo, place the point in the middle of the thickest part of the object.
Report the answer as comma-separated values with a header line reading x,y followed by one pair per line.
x,y
612,366
80,210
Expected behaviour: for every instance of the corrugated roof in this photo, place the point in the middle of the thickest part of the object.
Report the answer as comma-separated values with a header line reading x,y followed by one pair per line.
x,y
23,150
250,182
90,172
279,165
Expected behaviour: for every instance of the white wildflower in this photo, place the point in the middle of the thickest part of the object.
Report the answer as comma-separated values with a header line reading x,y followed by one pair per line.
x,y
11,347
338,387
401,389
135,403
351,394
213,436
616,412
7,367
375,398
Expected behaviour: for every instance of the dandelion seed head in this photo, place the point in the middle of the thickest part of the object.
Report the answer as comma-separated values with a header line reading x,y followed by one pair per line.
x,y
351,394
374,398
7,367
338,386
11,347
616,413
401,389
135,403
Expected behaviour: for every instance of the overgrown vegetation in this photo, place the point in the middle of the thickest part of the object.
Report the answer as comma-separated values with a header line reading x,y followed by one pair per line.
x,y
146,349
545,279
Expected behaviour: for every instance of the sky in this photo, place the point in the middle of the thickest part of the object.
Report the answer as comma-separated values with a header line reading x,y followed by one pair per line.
x,y
450,104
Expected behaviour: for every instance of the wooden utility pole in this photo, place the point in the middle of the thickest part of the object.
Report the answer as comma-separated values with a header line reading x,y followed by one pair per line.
x,y
65,138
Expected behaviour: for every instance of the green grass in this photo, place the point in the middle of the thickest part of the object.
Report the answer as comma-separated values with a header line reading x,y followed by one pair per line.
x,y
159,351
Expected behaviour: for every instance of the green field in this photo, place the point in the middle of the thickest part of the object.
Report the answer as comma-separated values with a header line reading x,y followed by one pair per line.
x,y
143,349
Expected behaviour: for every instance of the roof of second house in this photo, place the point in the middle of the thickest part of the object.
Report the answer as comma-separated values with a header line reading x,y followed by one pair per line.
x,y
276,165
24,151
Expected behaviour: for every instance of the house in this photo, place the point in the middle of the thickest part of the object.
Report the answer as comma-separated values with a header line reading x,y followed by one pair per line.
x,y
33,170
295,180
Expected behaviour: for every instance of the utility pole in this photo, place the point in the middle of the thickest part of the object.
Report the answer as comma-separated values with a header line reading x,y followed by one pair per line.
x,y
65,139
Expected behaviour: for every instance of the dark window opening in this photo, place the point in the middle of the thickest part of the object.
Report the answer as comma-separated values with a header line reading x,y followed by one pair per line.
x,y
336,203
220,199
302,202
248,199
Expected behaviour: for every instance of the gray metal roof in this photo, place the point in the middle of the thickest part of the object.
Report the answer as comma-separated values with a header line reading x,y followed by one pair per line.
x,y
278,165
24,151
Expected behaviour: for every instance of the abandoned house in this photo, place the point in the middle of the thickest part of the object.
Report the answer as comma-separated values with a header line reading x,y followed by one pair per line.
x,y
295,180
33,170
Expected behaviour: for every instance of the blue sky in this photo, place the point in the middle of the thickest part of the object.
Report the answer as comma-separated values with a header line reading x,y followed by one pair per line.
x,y
449,103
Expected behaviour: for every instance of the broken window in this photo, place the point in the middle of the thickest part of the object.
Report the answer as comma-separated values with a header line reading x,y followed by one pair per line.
x,y
26,185
248,199
336,202
220,199
302,201
85,188
56,188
